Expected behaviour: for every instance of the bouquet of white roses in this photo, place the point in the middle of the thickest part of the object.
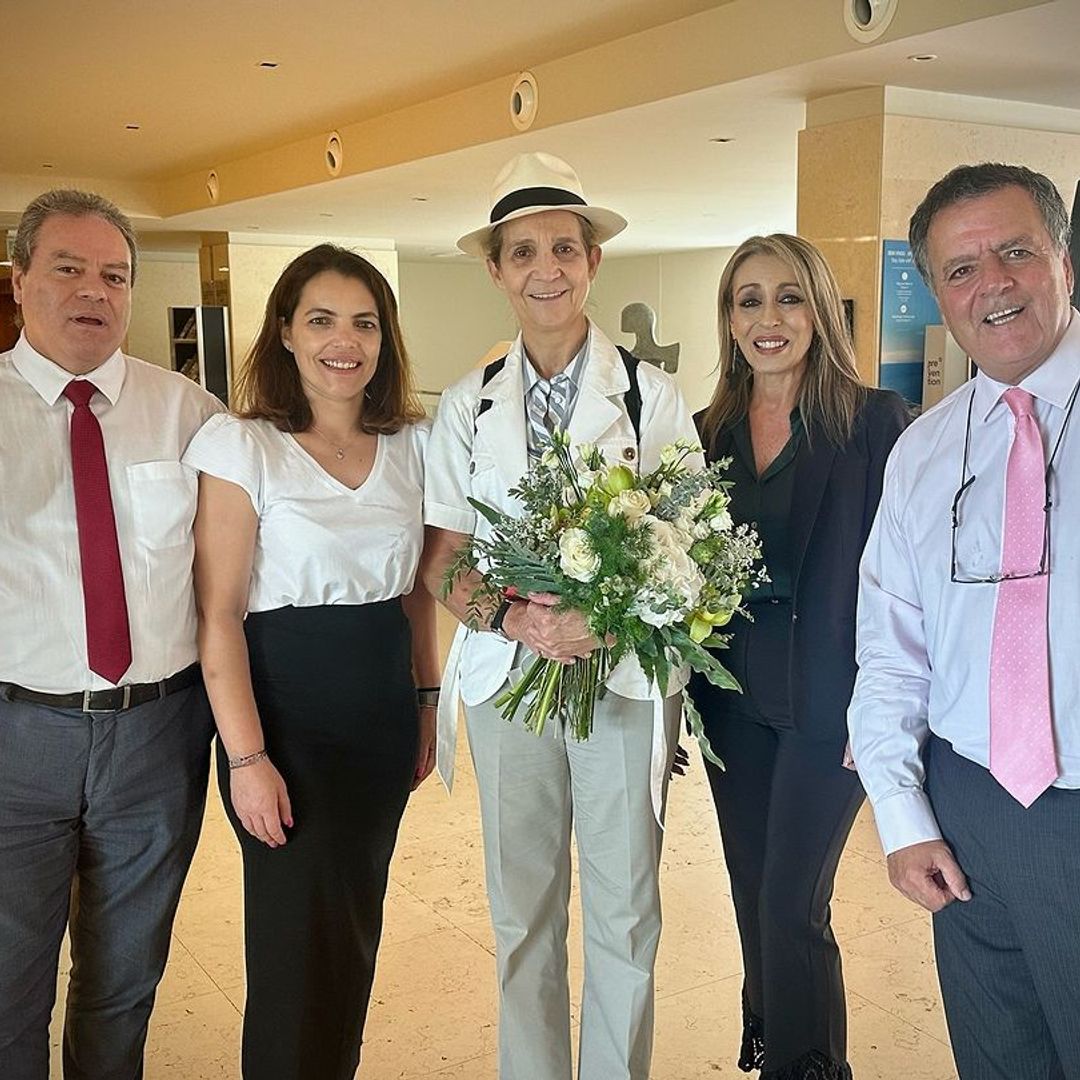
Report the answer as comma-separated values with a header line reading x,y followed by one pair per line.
x,y
654,563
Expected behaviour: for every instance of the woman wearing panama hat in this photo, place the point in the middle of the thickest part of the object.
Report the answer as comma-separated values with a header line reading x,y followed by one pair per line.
x,y
542,249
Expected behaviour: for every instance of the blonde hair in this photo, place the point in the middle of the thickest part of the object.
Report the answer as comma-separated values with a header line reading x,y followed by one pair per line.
x,y
831,393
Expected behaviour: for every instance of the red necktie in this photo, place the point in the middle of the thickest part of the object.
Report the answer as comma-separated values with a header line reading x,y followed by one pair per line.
x,y
1021,731
108,639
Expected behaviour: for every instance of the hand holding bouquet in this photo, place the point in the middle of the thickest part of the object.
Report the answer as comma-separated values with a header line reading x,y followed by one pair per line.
x,y
653,563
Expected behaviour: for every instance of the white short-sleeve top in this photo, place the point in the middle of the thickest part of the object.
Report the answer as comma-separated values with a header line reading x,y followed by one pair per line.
x,y
319,541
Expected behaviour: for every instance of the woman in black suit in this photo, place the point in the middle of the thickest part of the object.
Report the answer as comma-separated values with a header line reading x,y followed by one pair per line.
x,y
807,443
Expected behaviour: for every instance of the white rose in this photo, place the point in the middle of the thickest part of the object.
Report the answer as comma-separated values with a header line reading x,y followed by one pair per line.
x,y
632,505
720,522
576,555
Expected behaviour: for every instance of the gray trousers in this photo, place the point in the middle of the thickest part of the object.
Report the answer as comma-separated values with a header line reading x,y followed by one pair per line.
x,y
1009,958
99,818
531,791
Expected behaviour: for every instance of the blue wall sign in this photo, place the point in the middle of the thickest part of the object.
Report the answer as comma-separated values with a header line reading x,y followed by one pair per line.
x,y
907,308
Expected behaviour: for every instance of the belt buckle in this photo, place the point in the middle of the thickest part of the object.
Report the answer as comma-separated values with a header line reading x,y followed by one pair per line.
x,y
125,701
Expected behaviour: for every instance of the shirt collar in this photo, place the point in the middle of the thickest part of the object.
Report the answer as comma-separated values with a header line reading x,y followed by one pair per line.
x,y
49,379
1052,381
572,370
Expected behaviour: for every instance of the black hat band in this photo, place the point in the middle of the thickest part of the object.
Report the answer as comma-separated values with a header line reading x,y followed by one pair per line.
x,y
533,196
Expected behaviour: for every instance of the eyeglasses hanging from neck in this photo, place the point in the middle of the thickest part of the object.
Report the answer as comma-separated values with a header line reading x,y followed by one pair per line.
x,y
957,575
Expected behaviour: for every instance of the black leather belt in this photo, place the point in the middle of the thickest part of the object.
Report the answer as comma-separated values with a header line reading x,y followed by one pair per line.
x,y
120,697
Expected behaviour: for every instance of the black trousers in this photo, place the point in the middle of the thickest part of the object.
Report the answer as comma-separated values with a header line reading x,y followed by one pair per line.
x,y
786,806
1009,958
338,708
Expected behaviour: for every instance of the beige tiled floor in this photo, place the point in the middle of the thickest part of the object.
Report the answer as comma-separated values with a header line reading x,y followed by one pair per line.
x,y
433,1012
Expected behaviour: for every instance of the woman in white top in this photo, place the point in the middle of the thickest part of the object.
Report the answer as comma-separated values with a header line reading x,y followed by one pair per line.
x,y
313,641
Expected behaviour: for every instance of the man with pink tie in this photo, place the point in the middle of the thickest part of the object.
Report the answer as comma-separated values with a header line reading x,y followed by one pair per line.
x,y
104,724
965,722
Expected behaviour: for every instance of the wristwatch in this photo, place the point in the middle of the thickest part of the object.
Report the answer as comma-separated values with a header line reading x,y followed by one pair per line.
x,y
496,626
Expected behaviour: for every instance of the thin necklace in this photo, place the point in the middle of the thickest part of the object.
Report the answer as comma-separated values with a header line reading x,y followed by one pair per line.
x,y
339,451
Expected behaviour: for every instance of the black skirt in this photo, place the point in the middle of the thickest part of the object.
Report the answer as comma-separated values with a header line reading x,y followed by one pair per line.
x,y
335,694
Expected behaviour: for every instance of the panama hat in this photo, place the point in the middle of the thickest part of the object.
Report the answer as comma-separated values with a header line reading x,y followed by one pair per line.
x,y
532,183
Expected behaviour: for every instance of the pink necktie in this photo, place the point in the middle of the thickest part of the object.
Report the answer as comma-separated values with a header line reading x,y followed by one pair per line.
x,y
1021,734
108,638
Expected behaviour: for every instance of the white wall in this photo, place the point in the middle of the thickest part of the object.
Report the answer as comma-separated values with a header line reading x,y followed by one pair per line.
x,y
681,289
165,279
452,314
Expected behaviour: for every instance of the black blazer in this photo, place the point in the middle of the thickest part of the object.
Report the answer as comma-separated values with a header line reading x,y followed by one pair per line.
x,y
833,504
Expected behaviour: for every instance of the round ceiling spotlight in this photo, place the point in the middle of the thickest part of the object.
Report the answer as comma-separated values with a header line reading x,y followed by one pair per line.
x,y
213,186
334,153
867,20
524,101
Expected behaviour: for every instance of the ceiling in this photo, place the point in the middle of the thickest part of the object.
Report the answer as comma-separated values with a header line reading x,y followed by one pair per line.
x,y
638,89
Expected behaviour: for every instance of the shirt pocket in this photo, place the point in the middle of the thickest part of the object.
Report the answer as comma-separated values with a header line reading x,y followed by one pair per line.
x,y
163,499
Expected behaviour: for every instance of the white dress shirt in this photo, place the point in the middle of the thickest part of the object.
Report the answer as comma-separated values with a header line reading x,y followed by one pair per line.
x,y
319,541
924,641
147,416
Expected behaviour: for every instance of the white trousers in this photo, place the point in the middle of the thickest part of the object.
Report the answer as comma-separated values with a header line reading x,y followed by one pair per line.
x,y
531,791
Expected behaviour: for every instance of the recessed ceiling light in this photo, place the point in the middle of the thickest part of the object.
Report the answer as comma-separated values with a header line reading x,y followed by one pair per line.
x,y
132,127
723,139
255,227
267,65
324,214
48,165
923,58
419,198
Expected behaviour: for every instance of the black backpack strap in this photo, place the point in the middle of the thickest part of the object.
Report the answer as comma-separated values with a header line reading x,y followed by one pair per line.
x,y
632,399
490,371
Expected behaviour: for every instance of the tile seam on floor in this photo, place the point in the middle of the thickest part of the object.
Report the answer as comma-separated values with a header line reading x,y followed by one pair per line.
x,y
896,1016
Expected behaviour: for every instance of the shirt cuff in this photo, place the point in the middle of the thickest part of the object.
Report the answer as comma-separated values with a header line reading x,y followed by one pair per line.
x,y
452,518
905,818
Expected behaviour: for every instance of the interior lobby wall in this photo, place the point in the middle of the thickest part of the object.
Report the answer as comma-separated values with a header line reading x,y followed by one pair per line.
x,y
452,314
918,150
165,279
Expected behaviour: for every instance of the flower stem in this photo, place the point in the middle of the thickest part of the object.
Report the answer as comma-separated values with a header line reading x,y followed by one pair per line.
x,y
541,707
510,702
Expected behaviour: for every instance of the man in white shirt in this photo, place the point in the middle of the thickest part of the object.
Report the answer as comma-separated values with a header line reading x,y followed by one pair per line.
x,y
965,722
104,724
